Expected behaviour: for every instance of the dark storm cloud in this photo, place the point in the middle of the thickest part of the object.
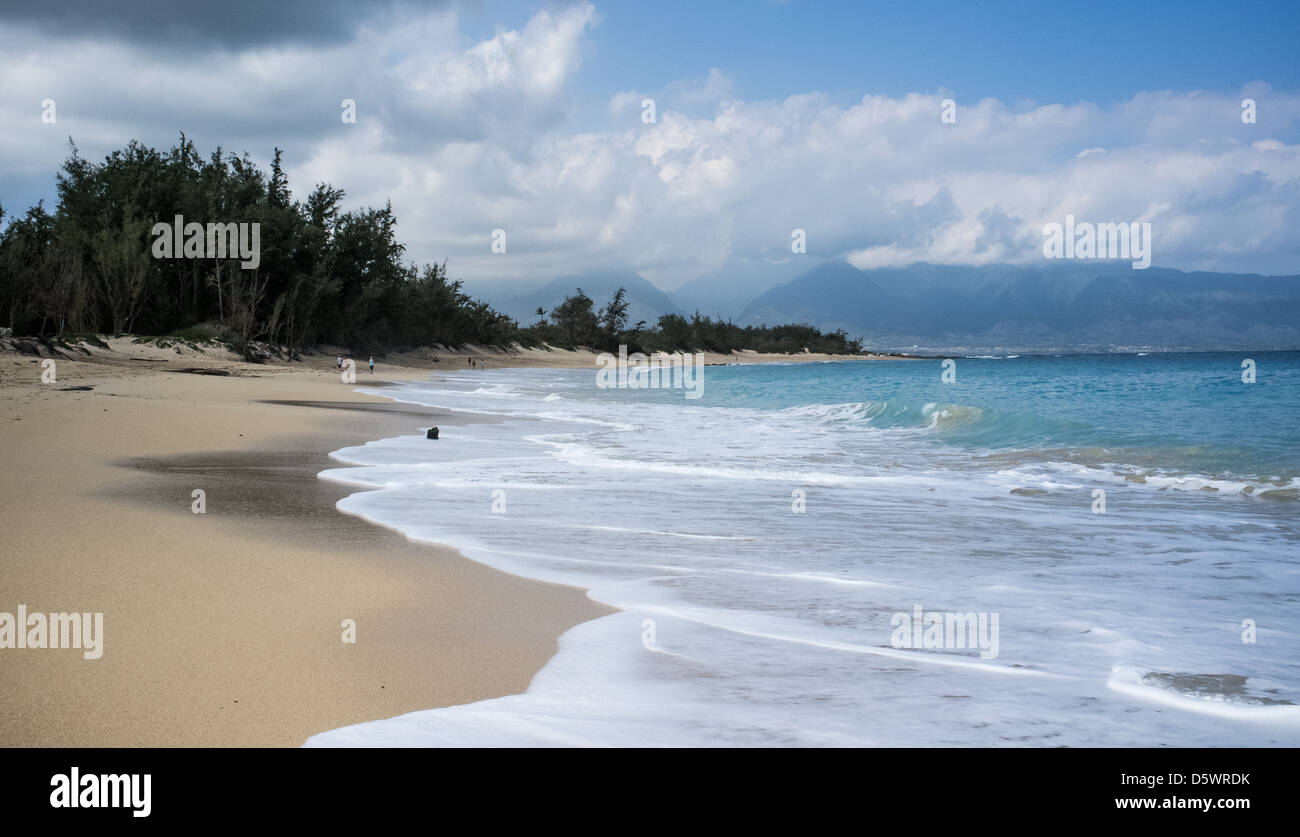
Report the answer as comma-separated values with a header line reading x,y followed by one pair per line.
x,y
232,24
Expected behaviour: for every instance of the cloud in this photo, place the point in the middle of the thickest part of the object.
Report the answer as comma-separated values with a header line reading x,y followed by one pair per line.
x,y
465,138
623,102
713,88
168,25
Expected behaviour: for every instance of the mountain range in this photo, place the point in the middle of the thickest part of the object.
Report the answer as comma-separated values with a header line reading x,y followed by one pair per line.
x,y
521,300
1072,306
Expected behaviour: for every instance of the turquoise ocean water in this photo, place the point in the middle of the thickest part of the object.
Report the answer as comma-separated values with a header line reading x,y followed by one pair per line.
x,y
1128,522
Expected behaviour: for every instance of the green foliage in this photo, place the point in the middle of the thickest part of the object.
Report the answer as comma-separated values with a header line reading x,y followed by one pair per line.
x,y
676,332
575,323
203,333
325,275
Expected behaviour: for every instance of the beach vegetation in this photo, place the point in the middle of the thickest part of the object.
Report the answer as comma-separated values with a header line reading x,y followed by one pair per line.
x,y
323,274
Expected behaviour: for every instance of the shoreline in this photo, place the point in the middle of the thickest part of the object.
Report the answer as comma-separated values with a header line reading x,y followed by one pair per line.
x,y
102,464
215,359
766,628
224,629
269,568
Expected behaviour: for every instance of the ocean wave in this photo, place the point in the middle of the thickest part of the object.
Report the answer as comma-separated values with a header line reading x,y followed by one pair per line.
x,y
1220,695
1045,475
949,416
592,457
681,513
886,414
688,535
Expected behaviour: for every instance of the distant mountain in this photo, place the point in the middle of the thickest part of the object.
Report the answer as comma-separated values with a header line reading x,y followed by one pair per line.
x,y
1074,305
645,301
725,294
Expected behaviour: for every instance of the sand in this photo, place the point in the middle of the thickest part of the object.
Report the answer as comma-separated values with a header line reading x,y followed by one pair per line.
x,y
226,628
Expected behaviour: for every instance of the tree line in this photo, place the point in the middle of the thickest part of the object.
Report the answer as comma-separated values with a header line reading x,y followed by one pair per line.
x,y
577,322
323,276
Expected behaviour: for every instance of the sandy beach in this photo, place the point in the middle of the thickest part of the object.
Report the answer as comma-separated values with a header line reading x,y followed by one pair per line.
x,y
226,628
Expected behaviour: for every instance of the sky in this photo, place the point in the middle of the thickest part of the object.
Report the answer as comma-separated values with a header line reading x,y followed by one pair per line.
x,y
769,117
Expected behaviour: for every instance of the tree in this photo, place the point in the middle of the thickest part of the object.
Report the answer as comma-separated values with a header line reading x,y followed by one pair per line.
x,y
324,275
121,266
613,318
576,319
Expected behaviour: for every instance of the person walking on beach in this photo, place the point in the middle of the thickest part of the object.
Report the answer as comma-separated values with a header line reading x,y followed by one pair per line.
x,y
340,361
372,366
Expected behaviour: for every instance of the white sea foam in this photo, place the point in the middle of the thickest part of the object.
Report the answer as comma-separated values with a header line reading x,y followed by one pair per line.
x,y
771,622
1133,681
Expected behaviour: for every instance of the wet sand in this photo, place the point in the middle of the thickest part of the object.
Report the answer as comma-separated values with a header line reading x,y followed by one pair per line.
x,y
225,628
